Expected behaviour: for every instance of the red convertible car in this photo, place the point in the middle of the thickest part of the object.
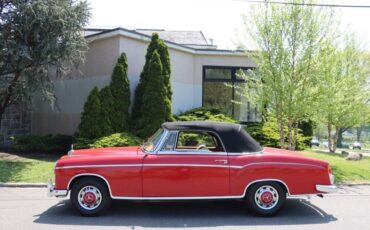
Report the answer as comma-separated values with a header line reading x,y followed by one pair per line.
x,y
189,161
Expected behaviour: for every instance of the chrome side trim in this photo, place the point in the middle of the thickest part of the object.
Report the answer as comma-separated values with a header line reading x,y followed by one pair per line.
x,y
177,198
274,163
185,165
99,166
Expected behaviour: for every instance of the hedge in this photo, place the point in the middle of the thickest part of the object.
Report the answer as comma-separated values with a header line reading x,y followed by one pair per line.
x,y
43,143
113,140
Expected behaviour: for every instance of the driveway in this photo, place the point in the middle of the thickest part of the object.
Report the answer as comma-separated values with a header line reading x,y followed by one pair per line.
x,y
29,208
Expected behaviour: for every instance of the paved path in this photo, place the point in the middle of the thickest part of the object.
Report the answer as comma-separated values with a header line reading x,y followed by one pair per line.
x,y
30,209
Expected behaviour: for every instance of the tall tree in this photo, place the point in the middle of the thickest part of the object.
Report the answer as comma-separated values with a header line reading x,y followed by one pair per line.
x,y
160,47
38,39
287,39
341,88
120,88
91,116
155,102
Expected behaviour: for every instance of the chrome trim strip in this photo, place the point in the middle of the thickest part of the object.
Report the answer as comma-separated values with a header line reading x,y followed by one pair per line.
x,y
185,165
99,166
90,174
176,198
274,163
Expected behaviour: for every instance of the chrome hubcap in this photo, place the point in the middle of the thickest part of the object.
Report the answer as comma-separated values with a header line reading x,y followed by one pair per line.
x,y
89,197
266,197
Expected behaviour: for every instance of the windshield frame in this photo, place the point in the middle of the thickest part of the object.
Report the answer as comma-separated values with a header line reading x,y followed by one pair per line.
x,y
156,140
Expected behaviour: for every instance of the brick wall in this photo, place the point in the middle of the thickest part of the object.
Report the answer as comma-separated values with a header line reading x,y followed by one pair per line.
x,y
15,121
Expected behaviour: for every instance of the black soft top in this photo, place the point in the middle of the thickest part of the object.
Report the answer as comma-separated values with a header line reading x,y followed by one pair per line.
x,y
233,136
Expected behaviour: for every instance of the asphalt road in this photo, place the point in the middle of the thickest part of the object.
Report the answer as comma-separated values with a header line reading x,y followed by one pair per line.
x,y
29,208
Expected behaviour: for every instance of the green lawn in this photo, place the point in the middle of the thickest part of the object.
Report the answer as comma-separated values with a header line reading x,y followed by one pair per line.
x,y
345,171
26,170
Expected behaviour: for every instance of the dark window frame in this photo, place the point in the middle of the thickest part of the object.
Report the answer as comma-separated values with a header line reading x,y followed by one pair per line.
x,y
232,81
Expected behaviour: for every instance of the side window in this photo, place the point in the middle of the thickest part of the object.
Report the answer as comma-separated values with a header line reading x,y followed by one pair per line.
x,y
198,141
169,143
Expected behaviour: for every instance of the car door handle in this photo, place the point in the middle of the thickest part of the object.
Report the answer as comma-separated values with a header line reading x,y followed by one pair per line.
x,y
221,161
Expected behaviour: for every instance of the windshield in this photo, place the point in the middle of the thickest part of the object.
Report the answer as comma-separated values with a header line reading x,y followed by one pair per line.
x,y
151,144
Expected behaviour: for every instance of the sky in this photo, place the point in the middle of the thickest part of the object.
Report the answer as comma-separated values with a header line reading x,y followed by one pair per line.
x,y
220,20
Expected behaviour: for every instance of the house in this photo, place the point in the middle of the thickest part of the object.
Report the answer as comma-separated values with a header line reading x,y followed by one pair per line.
x,y
199,74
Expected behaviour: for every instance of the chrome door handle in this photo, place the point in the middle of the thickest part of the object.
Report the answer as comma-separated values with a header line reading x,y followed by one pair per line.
x,y
221,161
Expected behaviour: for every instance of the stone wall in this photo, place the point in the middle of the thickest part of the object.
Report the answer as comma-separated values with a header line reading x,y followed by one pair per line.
x,y
15,121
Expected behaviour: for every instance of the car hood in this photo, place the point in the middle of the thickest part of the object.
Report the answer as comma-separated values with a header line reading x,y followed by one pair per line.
x,y
291,156
104,151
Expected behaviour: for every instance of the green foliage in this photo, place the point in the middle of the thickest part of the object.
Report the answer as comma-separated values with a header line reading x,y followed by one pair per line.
x,y
288,39
156,45
43,143
38,39
113,140
268,135
203,114
106,115
156,106
120,87
91,119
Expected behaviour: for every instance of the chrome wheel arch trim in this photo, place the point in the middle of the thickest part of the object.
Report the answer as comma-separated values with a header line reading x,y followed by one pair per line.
x,y
91,175
267,180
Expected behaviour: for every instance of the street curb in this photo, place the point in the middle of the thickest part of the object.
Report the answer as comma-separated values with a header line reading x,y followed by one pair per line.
x,y
23,185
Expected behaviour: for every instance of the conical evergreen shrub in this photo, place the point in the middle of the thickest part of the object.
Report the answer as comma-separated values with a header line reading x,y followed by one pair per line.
x,y
107,113
156,45
155,102
120,88
91,116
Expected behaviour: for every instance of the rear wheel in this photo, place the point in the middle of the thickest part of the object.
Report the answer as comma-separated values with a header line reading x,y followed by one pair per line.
x,y
266,198
90,197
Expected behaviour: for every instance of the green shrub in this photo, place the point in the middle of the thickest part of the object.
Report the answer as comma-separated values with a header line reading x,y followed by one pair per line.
x,y
43,143
267,134
113,140
120,88
91,117
156,107
204,114
154,76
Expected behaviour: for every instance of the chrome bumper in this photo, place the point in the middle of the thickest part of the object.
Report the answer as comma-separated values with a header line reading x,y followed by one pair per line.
x,y
326,188
51,191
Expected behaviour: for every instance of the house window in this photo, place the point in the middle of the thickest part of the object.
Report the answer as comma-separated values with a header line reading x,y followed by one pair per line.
x,y
221,86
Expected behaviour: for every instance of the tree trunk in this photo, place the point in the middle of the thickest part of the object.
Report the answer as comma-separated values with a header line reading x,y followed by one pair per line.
x,y
330,140
337,131
282,135
7,95
295,137
359,132
340,138
290,136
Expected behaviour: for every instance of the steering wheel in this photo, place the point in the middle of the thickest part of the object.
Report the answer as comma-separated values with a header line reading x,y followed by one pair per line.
x,y
202,146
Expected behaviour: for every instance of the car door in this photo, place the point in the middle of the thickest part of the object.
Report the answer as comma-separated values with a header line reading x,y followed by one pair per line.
x,y
186,167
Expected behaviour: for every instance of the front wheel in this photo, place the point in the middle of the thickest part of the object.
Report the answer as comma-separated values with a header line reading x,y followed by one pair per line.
x,y
266,198
90,197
